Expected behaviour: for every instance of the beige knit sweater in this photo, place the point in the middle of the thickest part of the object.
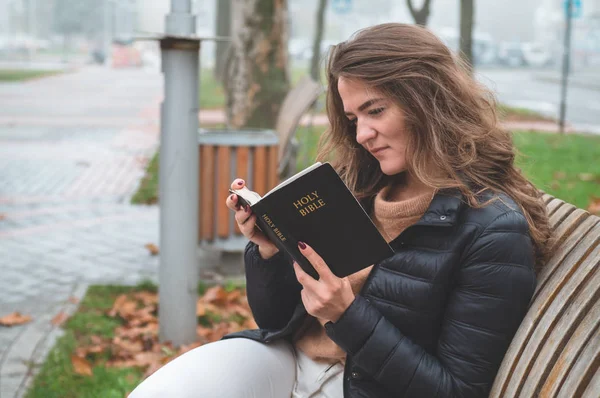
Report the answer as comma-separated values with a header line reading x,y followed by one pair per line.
x,y
391,216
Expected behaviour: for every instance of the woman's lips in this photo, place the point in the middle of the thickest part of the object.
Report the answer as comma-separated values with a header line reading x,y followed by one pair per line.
x,y
376,151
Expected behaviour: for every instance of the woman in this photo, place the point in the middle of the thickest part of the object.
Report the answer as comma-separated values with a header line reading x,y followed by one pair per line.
x,y
418,141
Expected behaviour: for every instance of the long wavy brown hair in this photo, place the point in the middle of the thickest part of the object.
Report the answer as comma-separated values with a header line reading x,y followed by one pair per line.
x,y
455,140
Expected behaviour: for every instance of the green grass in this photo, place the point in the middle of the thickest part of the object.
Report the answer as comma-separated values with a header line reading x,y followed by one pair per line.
x,y
14,75
565,166
522,114
56,378
147,193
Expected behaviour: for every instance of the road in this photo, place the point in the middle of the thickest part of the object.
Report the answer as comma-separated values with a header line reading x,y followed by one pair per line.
x,y
540,91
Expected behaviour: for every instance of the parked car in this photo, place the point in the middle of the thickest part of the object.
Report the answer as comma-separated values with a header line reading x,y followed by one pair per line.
x,y
511,54
536,54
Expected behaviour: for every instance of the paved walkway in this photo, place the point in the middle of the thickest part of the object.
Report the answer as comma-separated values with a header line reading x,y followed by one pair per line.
x,y
72,151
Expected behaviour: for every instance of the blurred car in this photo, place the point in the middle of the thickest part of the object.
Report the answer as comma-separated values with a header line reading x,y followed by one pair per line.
x,y
511,54
536,54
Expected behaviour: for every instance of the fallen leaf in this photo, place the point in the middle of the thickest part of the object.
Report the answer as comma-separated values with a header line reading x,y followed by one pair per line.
x,y
152,248
234,295
73,300
586,177
200,308
560,175
147,358
81,366
2,216
59,319
594,206
147,298
124,307
14,319
216,295
555,185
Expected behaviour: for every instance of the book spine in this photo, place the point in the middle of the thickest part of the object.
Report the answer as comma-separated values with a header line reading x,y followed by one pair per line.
x,y
282,239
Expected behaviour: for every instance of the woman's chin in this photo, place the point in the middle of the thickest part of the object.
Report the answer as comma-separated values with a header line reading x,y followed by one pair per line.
x,y
391,169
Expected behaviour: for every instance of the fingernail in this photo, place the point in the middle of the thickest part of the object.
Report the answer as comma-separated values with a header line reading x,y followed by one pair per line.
x,y
231,197
302,245
240,182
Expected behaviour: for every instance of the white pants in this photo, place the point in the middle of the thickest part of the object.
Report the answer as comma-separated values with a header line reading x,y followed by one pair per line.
x,y
240,368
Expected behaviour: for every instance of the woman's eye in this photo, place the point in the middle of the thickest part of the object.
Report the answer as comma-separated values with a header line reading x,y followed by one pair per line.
x,y
376,111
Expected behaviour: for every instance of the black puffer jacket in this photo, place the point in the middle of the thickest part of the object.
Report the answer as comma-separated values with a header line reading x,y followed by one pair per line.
x,y
433,320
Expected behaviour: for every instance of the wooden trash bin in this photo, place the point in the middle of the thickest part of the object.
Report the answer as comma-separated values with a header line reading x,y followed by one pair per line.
x,y
226,155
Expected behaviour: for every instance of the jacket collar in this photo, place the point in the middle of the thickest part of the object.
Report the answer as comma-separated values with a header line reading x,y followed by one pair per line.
x,y
443,209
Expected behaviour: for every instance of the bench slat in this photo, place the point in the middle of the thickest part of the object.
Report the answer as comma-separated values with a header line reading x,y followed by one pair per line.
x,y
568,235
207,203
554,205
592,389
561,215
549,310
571,352
223,183
547,198
259,177
273,153
242,161
515,365
574,312
584,370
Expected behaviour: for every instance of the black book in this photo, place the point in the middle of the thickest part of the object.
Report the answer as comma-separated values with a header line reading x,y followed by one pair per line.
x,y
316,207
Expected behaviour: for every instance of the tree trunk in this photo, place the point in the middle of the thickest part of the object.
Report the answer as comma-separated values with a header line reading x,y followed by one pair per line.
x,y
223,28
467,10
419,15
315,71
257,68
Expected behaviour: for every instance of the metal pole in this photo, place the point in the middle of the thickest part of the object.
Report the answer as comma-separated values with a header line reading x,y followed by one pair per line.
x,y
178,176
565,67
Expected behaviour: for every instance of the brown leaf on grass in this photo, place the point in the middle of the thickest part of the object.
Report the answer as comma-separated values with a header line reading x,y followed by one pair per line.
x,y
586,176
59,318
148,358
128,332
215,295
96,340
124,307
14,319
559,175
148,298
200,308
594,206
152,248
81,366
126,347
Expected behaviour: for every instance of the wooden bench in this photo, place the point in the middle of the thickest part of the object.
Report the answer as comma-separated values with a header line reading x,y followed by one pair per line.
x,y
556,351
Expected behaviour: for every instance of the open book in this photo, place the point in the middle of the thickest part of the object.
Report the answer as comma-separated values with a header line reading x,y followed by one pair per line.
x,y
316,207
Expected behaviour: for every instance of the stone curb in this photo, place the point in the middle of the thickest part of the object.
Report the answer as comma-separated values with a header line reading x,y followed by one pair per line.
x,y
28,351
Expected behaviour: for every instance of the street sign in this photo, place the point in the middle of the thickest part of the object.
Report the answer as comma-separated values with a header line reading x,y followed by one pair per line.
x,y
341,6
576,8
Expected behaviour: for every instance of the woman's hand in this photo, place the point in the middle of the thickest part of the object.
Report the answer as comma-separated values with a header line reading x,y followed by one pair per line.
x,y
246,220
330,296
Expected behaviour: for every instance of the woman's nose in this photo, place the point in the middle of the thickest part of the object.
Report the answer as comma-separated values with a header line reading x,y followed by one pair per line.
x,y
364,133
